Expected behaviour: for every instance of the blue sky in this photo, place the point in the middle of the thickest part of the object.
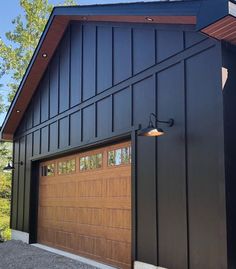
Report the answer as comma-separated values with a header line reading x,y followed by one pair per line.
x,y
11,8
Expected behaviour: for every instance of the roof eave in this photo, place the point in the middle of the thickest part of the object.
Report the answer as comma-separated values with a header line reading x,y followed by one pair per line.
x,y
6,136
224,28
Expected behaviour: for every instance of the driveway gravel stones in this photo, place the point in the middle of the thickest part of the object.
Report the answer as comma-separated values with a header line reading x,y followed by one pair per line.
x,y
17,255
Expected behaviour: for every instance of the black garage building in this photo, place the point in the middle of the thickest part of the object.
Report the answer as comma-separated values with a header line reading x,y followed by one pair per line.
x,y
85,181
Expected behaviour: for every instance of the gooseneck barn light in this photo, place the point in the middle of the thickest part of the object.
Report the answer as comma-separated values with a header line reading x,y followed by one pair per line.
x,y
152,130
11,167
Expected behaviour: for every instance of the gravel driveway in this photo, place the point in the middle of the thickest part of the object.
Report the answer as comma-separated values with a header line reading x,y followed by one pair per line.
x,y
17,255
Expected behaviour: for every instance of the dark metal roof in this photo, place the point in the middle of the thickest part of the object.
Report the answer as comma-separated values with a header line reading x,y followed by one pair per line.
x,y
163,8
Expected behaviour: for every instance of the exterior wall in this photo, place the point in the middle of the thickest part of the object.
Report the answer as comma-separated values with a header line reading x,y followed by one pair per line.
x,y
229,95
103,82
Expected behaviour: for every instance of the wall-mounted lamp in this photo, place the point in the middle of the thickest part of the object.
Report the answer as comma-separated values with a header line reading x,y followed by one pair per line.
x,y
152,130
10,167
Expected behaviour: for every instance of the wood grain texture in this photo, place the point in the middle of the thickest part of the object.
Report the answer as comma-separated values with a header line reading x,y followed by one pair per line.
x,y
88,212
224,29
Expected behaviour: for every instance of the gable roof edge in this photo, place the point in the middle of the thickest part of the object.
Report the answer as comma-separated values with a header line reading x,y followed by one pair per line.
x,y
61,16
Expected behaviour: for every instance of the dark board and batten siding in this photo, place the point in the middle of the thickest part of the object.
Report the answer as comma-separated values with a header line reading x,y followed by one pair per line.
x,y
229,95
104,80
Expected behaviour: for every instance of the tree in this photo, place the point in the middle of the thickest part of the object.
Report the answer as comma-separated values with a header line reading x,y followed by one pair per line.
x,y
5,192
22,40
15,55
2,106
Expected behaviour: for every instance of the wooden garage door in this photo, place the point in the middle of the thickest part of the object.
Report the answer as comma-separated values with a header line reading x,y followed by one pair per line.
x,y
85,204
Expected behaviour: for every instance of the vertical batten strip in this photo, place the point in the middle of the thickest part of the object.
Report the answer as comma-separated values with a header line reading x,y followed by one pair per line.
x,y
96,119
132,51
132,104
24,163
186,150
82,67
12,188
70,36
82,125
96,60
112,100
58,88
18,176
112,55
134,201
186,162
156,167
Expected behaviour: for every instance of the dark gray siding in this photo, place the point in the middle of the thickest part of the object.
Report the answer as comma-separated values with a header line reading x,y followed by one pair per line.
x,y
229,94
205,158
53,84
103,81
171,172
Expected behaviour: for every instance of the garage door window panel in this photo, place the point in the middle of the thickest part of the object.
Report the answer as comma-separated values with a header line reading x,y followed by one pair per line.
x,y
67,167
48,170
120,156
91,162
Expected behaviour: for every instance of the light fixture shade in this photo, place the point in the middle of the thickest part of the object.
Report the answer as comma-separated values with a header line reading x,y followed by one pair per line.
x,y
155,131
9,167
151,131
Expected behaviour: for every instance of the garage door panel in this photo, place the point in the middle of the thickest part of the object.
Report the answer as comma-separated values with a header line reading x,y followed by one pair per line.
x,y
91,245
58,213
91,188
85,206
118,218
60,226
46,235
58,190
104,232
90,216
116,235
47,213
105,203
118,251
118,187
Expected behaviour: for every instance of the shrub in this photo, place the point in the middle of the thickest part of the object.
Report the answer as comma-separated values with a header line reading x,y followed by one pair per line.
x,y
5,232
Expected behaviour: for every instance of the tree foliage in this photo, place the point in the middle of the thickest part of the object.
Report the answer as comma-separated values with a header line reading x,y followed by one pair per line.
x,y
5,178
17,51
2,105
5,192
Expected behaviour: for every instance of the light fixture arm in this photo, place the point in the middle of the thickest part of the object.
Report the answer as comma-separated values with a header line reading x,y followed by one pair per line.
x,y
13,163
10,166
20,163
170,122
